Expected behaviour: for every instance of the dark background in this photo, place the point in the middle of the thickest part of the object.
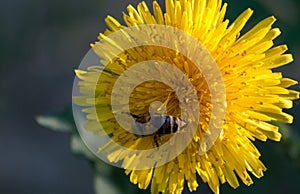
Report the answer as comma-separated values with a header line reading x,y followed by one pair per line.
x,y
42,41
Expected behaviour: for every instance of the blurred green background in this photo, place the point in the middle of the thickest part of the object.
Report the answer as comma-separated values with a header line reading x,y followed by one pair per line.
x,y
41,42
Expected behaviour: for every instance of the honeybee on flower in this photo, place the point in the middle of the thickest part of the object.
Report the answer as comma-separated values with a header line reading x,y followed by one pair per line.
x,y
255,95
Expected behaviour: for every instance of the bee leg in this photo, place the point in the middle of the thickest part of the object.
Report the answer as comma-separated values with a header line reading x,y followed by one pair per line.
x,y
155,139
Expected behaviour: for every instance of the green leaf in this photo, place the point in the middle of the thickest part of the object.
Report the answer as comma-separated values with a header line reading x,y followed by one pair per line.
x,y
103,185
107,178
115,178
291,143
61,121
78,147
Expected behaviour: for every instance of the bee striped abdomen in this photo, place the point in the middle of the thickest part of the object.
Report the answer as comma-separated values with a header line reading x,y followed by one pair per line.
x,y
171,125
167,125
164,124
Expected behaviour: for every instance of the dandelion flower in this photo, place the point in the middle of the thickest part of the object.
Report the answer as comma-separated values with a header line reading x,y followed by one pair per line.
x,y
255,95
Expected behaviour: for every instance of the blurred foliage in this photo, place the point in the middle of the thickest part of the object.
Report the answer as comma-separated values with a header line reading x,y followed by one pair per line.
x,y
107,179
291,144
61,121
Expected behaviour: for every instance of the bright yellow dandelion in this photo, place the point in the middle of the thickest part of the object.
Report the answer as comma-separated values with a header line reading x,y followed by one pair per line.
x,y
255,94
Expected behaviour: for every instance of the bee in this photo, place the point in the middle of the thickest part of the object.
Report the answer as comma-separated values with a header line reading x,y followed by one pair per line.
x,y
166,125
